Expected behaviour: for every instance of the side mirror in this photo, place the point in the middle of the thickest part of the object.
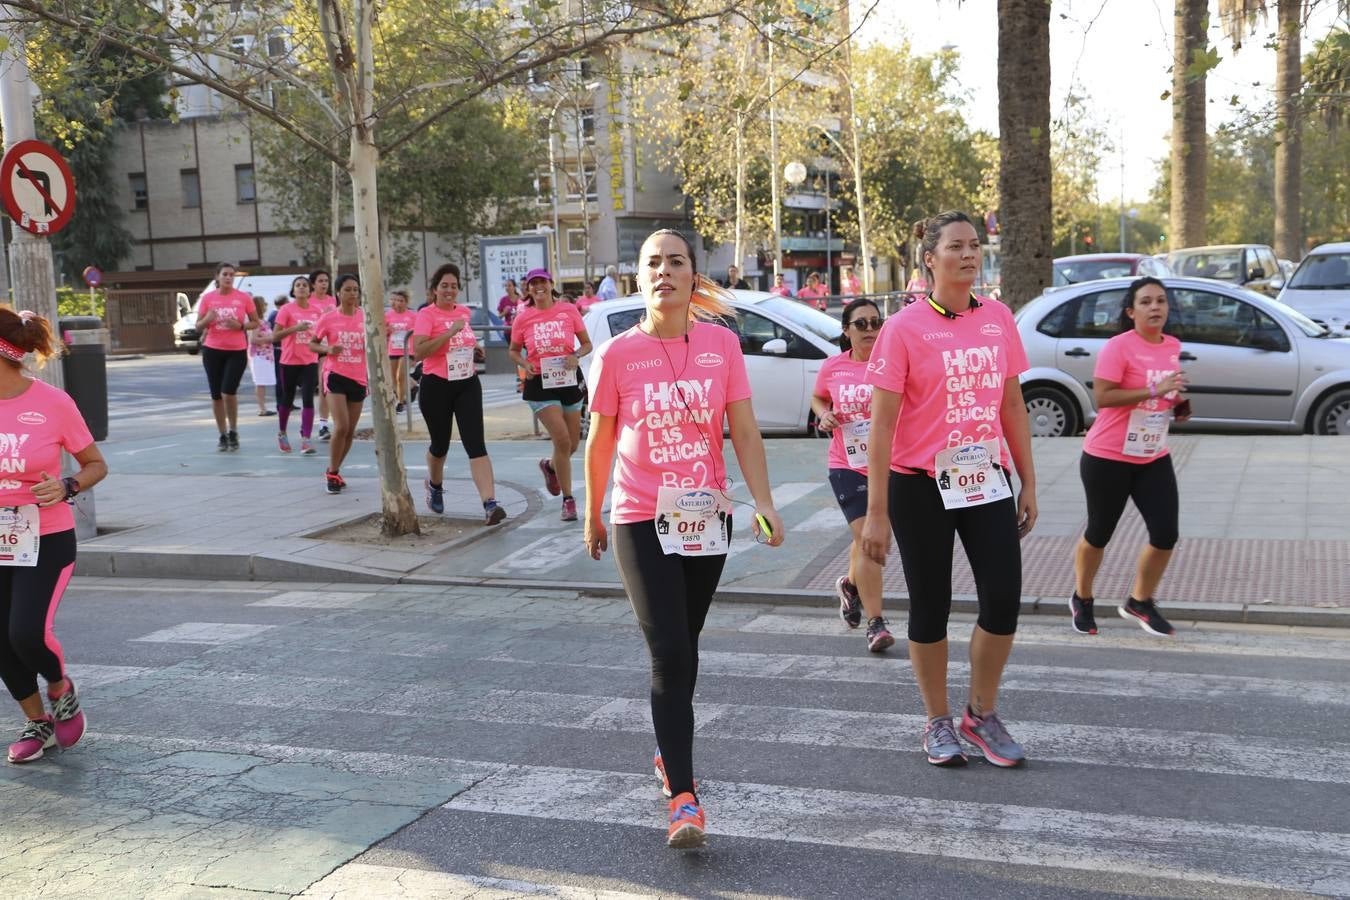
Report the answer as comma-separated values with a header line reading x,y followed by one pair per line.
x,y
775,347
1277,283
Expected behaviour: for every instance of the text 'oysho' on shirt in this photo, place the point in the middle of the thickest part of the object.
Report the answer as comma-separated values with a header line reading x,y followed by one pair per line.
x,y
950,374
34,428
295,346
844,381
432,322
1132,363
232,307
669,398
346,339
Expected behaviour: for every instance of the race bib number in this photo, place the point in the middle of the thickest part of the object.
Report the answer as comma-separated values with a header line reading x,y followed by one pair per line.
x,y
691,521
1146,433
459,363
855,442
969,475
553,370
398,341
19,533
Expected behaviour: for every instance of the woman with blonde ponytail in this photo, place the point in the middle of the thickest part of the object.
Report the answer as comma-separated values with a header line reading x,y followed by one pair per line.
x,y
660,394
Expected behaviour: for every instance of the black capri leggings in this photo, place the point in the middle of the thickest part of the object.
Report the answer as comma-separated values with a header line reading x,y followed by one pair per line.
x,y
926,530
28,600
439,399
670,597
1153,487
305,378
224,370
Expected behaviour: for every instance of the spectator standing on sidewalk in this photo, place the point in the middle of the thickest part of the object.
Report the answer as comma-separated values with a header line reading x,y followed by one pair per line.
x,y
609,285
262,366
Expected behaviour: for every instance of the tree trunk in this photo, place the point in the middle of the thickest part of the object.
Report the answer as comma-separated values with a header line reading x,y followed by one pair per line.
x,y
1190,149
739,242
334,223
1289,133
1024,147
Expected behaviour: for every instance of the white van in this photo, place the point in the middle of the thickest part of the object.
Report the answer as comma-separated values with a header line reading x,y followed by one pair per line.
x,y
185,336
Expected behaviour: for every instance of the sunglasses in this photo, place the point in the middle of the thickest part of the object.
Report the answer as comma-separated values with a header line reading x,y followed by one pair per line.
x,y
872,324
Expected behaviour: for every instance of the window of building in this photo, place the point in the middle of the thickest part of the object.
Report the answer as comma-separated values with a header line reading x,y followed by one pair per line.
x,y
244,188
543,187
192,188
239,44
574,189
576,241
140,196
586,67
276,42
588,124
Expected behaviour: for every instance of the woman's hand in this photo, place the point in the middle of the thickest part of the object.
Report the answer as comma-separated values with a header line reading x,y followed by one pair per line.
x,y
528,366
826,421
1026,511
595,537
570,363
775,525
876,538
49,491
1176,381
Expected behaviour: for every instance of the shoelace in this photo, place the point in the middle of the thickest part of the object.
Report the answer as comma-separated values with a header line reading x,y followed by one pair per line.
x,y
36,731
66,706
994,730
943,732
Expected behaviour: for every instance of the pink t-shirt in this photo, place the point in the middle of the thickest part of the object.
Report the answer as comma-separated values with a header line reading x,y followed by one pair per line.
x,y
398,325
326,303
950,375
844,381
1133,363
432,321
550,332
670,399
346,335
295,346
34,428
852,286
781,290
234,307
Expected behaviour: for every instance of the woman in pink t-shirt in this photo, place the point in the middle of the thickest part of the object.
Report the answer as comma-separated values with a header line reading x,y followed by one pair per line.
x,y
319,281
660,394
37,549
224,318
1136,385
299,369
814,293
842,403
398,324
945,397
506,307
779,287
340,338
548,340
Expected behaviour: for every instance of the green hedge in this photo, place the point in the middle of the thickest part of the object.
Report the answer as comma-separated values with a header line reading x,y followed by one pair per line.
x,y
73,302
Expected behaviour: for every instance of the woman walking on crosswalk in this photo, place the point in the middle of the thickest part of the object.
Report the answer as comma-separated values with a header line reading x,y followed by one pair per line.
x,y
340,338
660,394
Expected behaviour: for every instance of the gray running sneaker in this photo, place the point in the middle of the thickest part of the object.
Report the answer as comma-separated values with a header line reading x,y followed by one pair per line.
x,y
941,743
988,734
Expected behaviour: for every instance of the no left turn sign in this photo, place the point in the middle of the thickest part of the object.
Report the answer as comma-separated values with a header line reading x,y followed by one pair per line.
x,y
36,187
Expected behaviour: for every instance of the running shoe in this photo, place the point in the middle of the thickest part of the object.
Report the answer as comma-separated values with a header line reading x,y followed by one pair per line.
x,y
569,509
988,734
1084,622
324,433
38,736
306,448
1145,612
400,406
435,496
850,604
550,477
686,823
879,636
342,482
267,412
223,444
660,768
283,443
941,743
493,512
233,437
332,482
69,717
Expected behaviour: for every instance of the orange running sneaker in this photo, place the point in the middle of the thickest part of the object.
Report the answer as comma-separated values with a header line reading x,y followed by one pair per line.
x,y
686,823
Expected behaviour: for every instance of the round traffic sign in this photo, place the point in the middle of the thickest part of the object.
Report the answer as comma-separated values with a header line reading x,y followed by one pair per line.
x,y
92,276
36,187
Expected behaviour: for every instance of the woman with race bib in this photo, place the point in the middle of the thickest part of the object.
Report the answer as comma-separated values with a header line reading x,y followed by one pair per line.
x,y
843,405
547,340
299,364
450,389
319,282
37,533
225,316
340,338
660,394
398,323
945,397
1137,385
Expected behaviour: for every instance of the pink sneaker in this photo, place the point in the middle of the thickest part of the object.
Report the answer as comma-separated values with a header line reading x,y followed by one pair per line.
x,y
283,443
550,477
569,510
306,447
37,737
70,723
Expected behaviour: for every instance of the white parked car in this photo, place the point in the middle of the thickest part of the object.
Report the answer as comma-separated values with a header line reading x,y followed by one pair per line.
x,y
1320,287
784,342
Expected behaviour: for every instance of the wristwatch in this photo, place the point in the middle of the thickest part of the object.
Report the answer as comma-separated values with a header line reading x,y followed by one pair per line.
x,y
72,486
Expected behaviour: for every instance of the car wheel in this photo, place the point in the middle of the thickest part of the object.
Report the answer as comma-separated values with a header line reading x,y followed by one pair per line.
x,y
1051,411
1333,413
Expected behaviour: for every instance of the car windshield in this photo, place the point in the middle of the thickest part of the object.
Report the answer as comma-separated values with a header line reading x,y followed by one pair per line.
x,y
1091,270
798,313
1323,272
1221,265
1305,324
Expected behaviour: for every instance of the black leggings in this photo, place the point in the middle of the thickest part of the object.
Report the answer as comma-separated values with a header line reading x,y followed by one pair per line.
x,y
925,531
670,597
1153,487
439,400
224,370
305,377
28,600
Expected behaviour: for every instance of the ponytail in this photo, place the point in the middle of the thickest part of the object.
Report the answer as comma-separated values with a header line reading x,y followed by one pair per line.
x,y
710,300
26,332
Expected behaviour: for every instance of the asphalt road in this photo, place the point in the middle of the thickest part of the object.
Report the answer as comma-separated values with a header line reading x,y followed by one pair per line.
x,y
361,741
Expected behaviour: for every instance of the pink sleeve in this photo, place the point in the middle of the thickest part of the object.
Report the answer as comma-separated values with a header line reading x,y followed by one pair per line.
x,y
738,383
604,387
1017,353
283,319
578,323
422,324
1111,363
518,326
75,434
889,365
822,377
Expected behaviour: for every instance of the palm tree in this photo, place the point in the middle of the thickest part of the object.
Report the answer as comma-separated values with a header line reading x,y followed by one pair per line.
x,y
1024,147
1189,138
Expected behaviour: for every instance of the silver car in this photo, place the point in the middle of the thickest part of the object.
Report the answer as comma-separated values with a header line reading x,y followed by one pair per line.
x,y
1320,287
1254,364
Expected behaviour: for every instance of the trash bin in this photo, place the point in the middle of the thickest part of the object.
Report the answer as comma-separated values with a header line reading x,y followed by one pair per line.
x,y
85,367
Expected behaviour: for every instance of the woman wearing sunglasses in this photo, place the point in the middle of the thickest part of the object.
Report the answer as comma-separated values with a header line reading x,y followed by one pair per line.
x,y
842,404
